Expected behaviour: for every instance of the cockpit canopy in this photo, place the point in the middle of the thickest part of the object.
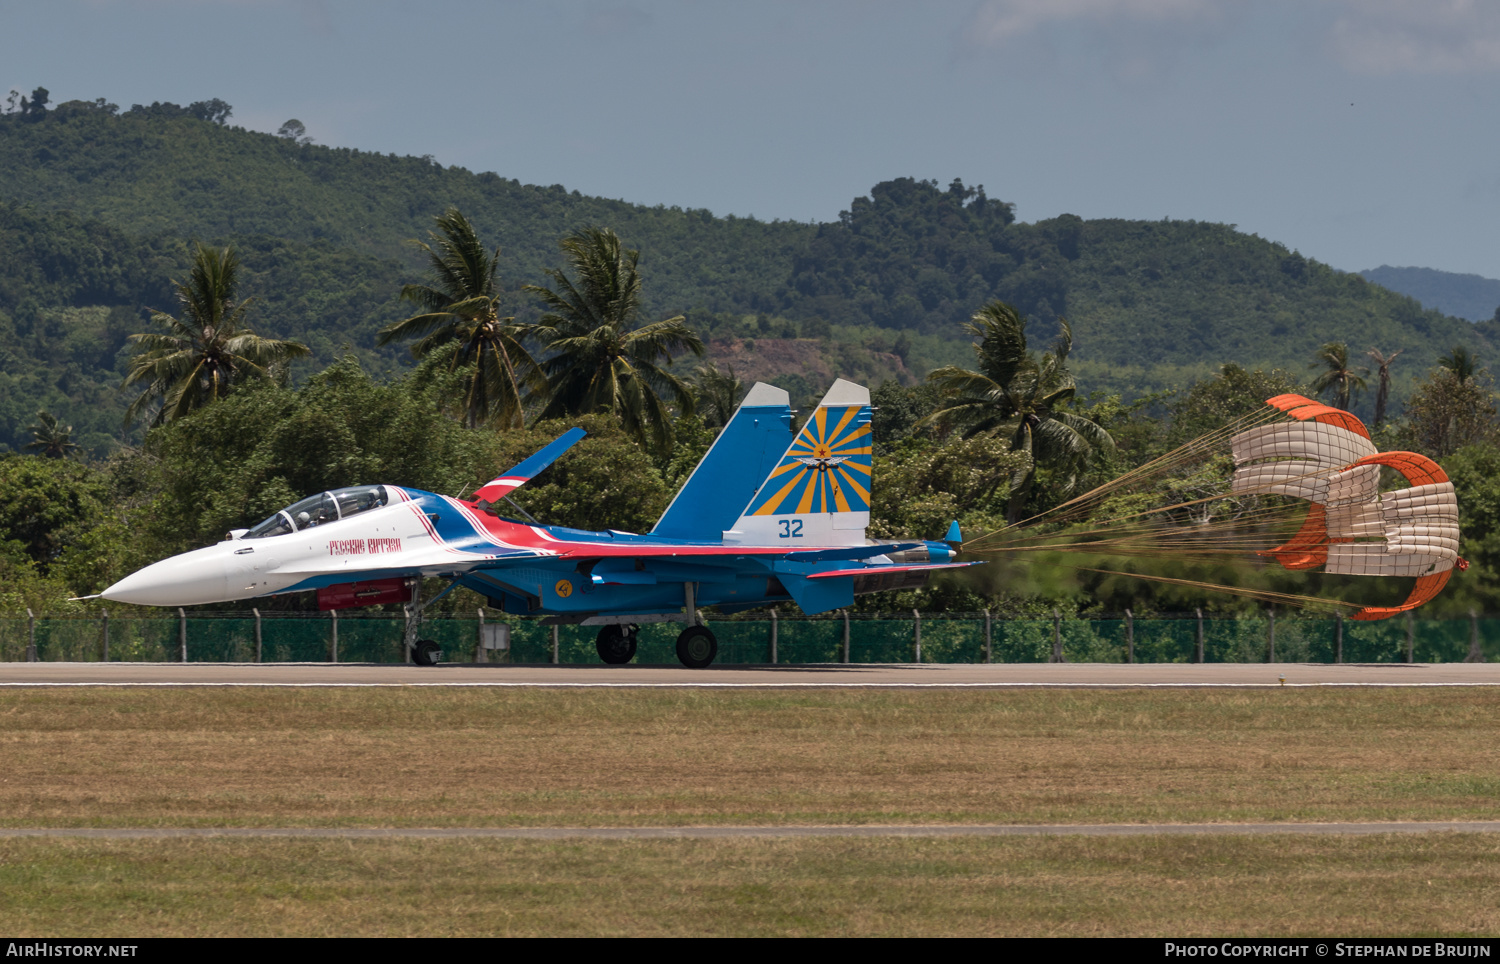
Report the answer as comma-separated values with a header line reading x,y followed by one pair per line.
x,y
321,508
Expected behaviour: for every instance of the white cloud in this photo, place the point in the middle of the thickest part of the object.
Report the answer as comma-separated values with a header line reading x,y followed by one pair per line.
x,y
1417,36
999,21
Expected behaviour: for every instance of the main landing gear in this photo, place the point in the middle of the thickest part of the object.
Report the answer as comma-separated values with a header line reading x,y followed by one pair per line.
x,y
616,644
696,647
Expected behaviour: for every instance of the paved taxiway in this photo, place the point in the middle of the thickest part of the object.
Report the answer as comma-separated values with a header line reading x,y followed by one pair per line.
x,y
1139,675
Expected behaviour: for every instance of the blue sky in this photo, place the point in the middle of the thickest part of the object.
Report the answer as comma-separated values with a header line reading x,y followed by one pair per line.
x,y
1362,132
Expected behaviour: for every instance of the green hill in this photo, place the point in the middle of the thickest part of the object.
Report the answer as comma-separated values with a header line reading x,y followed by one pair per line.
x,y
1469,296
98,207
153,173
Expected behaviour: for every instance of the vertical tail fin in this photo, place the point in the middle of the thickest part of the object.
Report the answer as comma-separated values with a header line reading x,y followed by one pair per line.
x,y
740,457
819,492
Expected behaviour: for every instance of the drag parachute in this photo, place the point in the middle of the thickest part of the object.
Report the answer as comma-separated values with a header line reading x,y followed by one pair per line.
x,y
1295,452
1326,457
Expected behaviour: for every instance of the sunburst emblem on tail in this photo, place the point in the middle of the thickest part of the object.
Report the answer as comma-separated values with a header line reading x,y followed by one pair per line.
x,y
827,468
821,464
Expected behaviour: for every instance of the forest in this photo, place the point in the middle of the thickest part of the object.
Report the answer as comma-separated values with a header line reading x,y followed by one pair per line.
x,y
1152,333
100,208
74,525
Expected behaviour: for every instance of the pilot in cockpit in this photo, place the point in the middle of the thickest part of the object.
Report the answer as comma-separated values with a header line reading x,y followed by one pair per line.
x,y
323,511
318,509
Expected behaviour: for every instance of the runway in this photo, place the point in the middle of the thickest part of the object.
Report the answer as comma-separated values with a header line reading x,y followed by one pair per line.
x,y
719,833
830,675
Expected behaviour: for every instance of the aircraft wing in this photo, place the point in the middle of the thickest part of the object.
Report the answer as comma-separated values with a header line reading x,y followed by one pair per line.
x,y
915,567
507,482
853,552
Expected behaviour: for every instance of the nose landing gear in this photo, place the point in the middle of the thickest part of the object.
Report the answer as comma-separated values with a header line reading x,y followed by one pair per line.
x,y
426,653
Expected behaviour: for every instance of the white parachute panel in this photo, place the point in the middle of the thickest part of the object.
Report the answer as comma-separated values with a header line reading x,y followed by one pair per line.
x,y
1302,460
1361,520
1372,559
1422,520
1328,445
1299,479
1359,484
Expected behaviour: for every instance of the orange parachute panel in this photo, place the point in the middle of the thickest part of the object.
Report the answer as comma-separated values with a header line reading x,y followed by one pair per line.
x,y
1288,402
1426,588
1303,408
1329,415
1308,549
1418,469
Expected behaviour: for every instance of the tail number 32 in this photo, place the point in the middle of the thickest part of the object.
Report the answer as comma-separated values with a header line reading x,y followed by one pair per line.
x,y
790,528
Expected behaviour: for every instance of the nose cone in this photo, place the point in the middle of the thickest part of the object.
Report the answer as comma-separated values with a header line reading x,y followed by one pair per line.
x,y
193,578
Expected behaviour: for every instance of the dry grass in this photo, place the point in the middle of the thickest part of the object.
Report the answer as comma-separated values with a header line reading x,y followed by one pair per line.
x,y
423,757
1443,884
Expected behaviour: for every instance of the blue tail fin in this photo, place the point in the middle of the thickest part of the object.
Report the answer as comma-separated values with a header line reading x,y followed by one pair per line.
x,y
723,483
818,493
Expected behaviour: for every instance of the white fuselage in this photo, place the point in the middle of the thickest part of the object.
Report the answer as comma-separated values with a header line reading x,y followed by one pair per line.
x,y
392,537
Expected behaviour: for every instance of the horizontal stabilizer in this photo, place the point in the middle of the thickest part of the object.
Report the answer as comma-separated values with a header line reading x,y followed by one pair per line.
x,y
853,552
875,570
510,481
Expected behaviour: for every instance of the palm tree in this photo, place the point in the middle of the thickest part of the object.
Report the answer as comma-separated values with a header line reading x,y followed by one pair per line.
x,y
208,349
1019,395
54,440
717,394
1461,363
600,361
1383,387
1333,357
461,306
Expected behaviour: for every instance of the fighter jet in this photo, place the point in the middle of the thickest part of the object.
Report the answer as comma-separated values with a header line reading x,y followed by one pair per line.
x,y
766,517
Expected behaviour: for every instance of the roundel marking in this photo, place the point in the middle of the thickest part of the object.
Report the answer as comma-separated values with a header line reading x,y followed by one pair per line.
x,y
564,588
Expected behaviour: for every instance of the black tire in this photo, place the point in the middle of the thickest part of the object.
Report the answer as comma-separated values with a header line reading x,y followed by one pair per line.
x,y
697,647
426,653
616,646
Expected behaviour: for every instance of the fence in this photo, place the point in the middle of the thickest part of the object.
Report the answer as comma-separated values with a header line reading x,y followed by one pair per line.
x,y
904,638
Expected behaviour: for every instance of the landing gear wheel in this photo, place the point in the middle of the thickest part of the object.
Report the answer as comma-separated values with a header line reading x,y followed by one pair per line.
x,y
616,645
697,647
426,653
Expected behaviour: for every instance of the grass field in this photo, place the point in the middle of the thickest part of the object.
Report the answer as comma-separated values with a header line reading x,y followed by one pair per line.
x,y
1441,884
423,757
246,757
